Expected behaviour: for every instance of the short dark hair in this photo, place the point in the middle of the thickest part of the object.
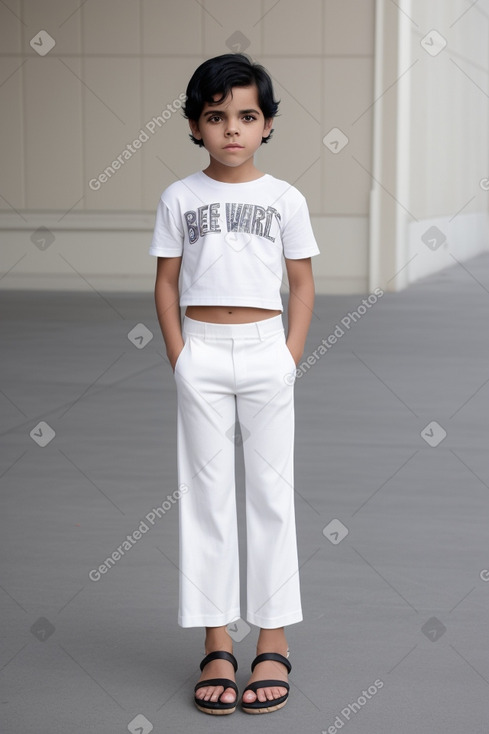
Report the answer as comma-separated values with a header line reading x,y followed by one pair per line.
x,y
219,75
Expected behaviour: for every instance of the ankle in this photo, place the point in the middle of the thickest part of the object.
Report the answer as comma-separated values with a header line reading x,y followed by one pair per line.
x,y
272,640
218,638
280,649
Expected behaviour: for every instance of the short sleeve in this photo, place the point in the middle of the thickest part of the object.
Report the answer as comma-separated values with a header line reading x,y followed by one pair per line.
x,y
298,239
167,236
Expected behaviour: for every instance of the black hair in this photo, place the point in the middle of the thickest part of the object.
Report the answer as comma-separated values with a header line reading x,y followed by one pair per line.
x,y
219,75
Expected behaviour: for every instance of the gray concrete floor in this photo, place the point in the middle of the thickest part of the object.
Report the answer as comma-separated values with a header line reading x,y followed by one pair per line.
x,y
397,608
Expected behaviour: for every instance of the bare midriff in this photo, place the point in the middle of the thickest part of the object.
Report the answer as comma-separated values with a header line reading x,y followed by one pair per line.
x,y
229,314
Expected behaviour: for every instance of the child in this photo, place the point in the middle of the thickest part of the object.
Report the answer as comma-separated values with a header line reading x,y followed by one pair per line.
x,y
219,237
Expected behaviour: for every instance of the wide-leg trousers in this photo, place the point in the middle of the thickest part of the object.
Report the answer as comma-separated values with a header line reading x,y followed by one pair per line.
x,y
248,370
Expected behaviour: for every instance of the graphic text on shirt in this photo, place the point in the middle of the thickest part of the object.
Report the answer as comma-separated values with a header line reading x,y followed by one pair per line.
x,y
250,218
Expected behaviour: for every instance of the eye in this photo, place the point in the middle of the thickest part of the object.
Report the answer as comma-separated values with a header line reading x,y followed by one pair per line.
x,y
214,118
249,118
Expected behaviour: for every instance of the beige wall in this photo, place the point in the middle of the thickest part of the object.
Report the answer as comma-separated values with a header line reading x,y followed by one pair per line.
x,y
449,135
118,63
449,107
429,203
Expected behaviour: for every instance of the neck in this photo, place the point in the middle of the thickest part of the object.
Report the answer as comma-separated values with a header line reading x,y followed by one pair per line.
x,y
228,174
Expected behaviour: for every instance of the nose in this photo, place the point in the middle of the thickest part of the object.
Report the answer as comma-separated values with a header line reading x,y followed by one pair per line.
x,y
232,128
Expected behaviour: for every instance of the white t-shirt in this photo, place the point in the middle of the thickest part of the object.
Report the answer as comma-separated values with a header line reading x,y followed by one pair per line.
x,y
232,238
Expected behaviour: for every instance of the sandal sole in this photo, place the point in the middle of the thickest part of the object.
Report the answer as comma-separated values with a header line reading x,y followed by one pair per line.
x,y
265,710
216,712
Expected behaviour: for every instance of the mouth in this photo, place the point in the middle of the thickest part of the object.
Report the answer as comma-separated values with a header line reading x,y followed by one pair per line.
x,y
233,146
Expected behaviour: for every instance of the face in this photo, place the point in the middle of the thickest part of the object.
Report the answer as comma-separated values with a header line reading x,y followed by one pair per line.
x,y
232,130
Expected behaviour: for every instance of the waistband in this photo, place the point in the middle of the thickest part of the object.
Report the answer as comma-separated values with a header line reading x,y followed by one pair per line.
x,y
252,330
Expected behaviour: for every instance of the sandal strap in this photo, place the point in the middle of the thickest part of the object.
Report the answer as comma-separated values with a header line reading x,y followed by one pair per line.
x,y
271,656
217,682
219,655
267,684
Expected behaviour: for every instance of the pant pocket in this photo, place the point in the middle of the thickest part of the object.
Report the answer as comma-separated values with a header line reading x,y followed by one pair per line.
x,y
179,358
291,358
285,363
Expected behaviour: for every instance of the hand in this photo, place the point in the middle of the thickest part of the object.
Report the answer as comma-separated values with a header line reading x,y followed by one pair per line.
x,y
296,354
173,356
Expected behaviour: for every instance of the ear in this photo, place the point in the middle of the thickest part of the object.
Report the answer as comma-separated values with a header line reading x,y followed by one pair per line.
x,y
267,127
194,129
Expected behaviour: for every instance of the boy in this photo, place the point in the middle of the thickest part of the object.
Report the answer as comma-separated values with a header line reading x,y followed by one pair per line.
x,y
220,235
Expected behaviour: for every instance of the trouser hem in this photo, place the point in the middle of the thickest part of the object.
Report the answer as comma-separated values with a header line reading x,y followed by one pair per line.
x,y
271,623
208,620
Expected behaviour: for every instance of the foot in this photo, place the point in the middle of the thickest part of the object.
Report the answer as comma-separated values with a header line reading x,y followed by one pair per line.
x,y
217,669
268,669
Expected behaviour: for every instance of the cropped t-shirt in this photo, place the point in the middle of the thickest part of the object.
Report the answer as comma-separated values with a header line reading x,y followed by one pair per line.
x,y
232,238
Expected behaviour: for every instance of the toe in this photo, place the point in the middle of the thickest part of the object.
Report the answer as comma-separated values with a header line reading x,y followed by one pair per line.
x,y
229,696
202,693
210,693
249,696
269,694
215,693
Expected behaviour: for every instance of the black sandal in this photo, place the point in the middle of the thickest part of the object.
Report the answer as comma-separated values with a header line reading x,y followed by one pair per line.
x,y
260,707
217,707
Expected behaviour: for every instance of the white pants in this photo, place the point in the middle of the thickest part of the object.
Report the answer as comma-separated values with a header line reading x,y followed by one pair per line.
x,y
221,368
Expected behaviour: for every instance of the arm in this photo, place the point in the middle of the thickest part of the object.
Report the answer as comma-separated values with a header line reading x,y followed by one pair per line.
x,y
167,305
301,304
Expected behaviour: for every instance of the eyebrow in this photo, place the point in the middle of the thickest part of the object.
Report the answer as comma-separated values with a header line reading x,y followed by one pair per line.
x,y
221,112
